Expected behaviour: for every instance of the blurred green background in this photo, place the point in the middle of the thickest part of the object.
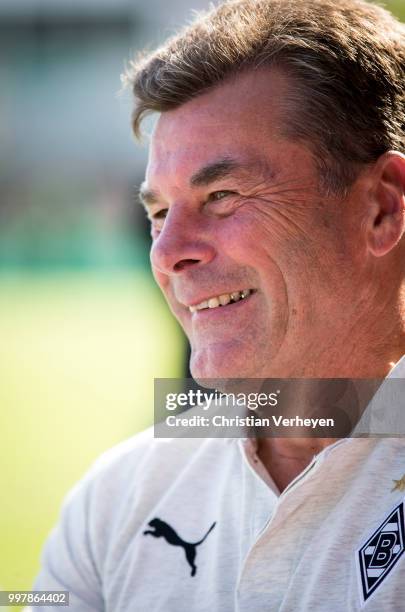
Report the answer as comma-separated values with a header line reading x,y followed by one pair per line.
x,y
83,329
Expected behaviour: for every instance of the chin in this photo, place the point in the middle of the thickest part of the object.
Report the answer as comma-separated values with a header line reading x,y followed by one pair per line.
x,y
208,367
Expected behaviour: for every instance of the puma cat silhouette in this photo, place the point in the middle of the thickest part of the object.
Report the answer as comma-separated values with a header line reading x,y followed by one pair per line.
x,y
162,529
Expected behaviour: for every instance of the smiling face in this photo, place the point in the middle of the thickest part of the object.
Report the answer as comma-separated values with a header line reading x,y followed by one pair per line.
x,y
257,266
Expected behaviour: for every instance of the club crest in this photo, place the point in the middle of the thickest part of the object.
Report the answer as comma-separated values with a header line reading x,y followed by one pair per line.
x,y
382,550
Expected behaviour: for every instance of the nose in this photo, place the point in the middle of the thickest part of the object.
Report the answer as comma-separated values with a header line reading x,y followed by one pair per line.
x,y
183,242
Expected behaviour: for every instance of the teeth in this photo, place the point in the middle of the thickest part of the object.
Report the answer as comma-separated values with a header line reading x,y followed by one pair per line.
x,y
221,300
224,299
200,306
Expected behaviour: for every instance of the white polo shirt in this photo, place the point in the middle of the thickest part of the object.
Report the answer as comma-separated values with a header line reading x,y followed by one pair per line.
x,y
220,537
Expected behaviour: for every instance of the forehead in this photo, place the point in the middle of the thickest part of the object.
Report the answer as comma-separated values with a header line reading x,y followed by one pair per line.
x,y
239,119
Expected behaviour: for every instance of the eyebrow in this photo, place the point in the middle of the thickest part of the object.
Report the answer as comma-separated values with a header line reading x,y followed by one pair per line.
x,y
213,171
147,196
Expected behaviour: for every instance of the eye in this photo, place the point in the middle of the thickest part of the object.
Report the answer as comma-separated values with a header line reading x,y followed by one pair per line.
x,y
157,220
219,195
157,217
160,214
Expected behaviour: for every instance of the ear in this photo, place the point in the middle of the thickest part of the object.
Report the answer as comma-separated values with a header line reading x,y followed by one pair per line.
x,y
387,220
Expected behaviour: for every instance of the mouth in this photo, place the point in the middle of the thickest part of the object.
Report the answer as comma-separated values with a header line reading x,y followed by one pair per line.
x,y
223,300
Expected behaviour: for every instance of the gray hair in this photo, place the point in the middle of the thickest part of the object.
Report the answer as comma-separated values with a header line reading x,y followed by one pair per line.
x,y
345,60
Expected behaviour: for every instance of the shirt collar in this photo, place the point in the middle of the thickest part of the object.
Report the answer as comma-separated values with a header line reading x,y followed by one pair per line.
x,y
384,415
398,370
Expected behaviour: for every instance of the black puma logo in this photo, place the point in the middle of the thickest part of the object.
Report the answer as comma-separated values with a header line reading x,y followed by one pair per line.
x,y
162,529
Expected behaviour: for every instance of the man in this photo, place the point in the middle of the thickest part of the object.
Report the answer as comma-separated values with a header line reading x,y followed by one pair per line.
x,y
275,189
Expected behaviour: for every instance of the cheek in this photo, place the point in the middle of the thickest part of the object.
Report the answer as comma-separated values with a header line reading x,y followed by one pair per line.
x,y
261,241
304,239
165,285
282,253
161,279
286,237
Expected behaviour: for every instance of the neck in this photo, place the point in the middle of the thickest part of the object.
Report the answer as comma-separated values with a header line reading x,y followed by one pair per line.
x,y
285,458
350,357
